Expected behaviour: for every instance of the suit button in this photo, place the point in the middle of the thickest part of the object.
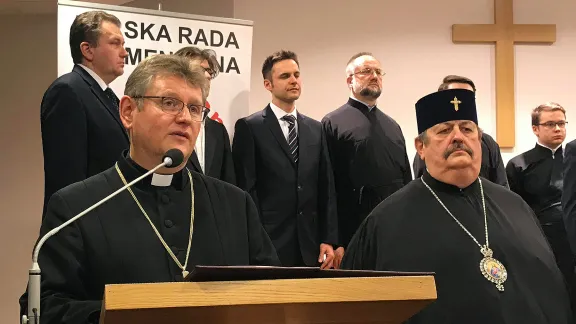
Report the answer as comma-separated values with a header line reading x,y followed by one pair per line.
x,y
299,187
165,199
168,223
300,213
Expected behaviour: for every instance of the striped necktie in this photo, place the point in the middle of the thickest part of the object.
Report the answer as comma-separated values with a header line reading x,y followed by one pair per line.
x,y
292,136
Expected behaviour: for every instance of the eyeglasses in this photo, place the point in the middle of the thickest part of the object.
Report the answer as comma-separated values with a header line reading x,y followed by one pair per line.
x,y
552,125
174,106
370,72
210,71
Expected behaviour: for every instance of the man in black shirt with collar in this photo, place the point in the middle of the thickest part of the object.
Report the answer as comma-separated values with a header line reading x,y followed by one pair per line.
x,y
537,176
366,146
161,227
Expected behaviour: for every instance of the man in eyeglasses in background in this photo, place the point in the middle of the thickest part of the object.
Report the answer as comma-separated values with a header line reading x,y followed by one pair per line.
x,y
212,154
366,147
537,176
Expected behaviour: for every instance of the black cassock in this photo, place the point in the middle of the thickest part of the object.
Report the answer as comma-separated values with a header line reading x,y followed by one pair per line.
x,y
492,167
116,243
536,175
411,231
368,155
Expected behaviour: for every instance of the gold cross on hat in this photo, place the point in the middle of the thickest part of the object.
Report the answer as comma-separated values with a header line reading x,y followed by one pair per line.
x,y
455,102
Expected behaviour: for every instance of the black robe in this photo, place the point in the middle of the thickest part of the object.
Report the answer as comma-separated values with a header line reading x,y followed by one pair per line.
x,y
411,231
116,244
492,167
536,175
368,155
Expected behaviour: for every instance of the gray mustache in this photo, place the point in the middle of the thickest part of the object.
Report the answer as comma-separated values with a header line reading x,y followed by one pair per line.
x,y
458,147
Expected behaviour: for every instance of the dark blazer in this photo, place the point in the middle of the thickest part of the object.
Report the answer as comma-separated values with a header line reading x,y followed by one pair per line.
x,y
296,202
569,193
218,154
82,134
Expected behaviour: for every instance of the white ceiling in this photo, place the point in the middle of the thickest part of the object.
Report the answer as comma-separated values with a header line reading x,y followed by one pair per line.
x,y
38,7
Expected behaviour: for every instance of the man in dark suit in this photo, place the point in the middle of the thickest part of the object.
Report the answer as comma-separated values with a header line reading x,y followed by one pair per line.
x,y
212,154
281,160
82,134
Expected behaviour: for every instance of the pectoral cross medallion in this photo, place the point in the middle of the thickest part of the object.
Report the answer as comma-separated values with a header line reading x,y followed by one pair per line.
x,y
492,269
184,274
456,102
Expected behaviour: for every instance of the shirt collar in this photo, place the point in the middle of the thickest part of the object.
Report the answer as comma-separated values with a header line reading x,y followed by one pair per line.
x,y
133,170
437,185
96,77
553,150
281,113
360,101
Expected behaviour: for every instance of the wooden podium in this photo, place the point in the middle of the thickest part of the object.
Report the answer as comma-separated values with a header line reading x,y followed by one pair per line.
x,y
390,299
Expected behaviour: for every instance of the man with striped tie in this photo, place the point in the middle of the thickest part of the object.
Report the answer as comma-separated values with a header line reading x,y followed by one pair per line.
x,y
281,160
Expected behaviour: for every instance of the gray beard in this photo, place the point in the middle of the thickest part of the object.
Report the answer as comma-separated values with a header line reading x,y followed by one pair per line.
x,y
367,92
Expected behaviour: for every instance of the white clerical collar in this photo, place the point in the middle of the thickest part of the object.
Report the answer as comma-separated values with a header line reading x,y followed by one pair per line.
x,y
96,77
553,150
162,180
362,102
281,113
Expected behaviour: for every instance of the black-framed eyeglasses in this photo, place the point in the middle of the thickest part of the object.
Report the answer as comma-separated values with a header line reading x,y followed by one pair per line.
x,y
370,72
210,71
174,106
552,125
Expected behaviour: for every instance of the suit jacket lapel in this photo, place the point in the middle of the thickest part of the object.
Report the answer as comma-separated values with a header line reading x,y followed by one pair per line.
x,y
304,135
272,122
209,143
99,93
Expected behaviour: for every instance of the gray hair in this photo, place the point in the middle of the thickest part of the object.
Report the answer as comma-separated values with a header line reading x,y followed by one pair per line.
x,y
163,65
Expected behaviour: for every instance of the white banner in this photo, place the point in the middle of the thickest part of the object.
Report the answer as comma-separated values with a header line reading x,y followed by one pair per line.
x,y
149,32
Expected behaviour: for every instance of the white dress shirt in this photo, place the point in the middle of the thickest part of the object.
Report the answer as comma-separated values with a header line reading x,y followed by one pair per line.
x,y
96,77
284,124
199,147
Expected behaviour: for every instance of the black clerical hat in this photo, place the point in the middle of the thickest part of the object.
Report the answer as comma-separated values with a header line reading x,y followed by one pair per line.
x,y
445,105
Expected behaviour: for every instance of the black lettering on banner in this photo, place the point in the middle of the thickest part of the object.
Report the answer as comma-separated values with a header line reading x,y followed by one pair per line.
x,y
232,40
131,26
133,58
213,38
163,33
146,31
184,32
200,37
232,65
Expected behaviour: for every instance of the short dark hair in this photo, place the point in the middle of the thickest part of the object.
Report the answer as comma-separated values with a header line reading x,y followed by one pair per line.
x,y
549,106
450,79
86,28
209,55
275,58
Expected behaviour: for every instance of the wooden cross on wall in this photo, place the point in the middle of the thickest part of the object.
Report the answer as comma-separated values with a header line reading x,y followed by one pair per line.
x,y
504,33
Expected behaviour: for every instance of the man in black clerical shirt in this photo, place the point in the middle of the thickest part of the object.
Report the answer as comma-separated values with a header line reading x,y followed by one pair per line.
x,y
366,147
165,224
492,167
537,175
492,263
